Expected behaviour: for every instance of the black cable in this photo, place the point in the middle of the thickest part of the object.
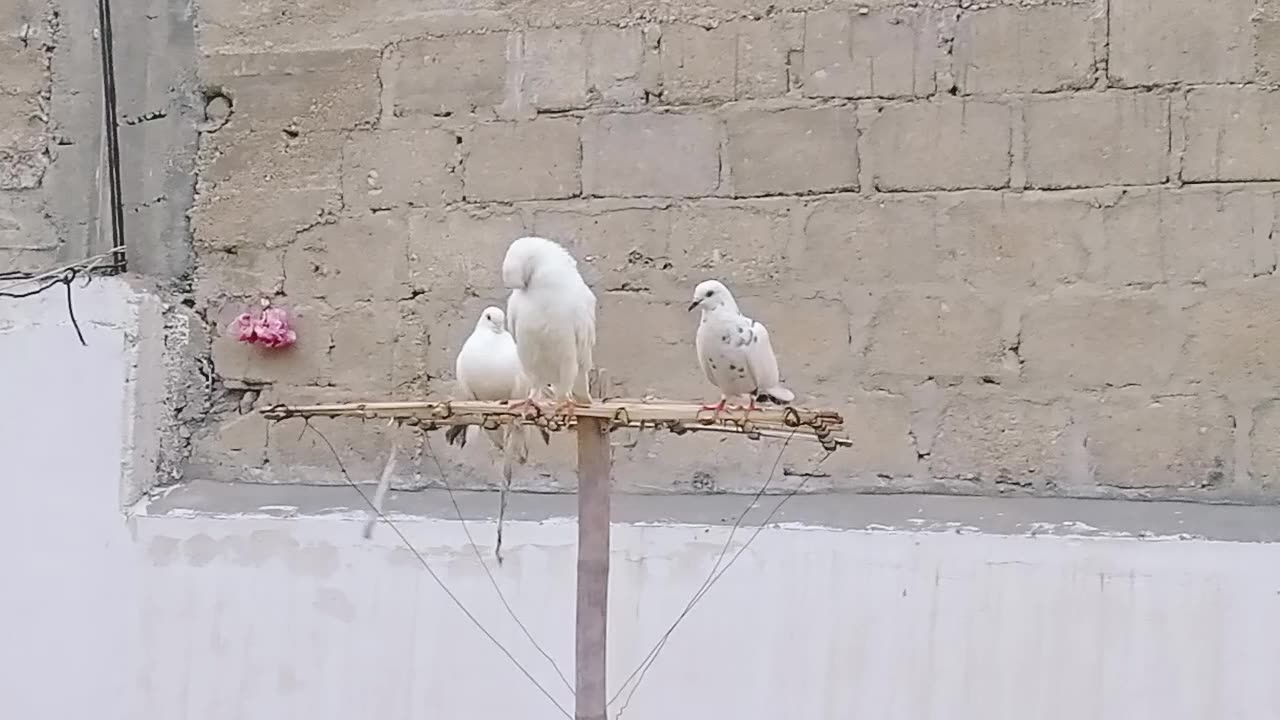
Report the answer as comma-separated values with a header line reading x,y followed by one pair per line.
x,y
712,577
697,594
111,120
29,293
422,561
64,279
492,580
71,311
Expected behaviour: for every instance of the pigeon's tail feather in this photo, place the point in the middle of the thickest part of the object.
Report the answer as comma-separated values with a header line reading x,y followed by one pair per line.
x,y
580,393
456,435
515,443
777,395
497,437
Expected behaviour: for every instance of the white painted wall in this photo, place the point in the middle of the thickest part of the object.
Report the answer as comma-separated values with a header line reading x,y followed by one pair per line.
x,y
168,615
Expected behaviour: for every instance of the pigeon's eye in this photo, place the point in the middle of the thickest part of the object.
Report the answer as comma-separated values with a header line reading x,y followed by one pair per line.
x,y
710,293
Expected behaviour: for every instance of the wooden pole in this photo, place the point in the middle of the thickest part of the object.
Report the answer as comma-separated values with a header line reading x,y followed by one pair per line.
x,y
593,564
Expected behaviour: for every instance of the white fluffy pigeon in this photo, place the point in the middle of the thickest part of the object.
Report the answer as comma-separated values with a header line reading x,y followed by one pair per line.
x,y
734,350
552,314
488,368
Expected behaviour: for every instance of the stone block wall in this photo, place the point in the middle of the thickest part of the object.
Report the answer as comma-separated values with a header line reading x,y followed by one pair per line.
x,y
27,36
1027,247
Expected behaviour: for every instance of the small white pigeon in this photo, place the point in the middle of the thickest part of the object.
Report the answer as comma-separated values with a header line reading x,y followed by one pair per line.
x,y
734,351
552,315
488,368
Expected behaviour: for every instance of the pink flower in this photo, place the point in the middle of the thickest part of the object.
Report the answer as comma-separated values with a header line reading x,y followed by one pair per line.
x,y
242,328
270,328
273,329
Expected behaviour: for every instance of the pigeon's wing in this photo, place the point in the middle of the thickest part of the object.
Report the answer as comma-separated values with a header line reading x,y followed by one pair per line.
x,y
743,340
700,341
457,434
513,310
726,344
761,359
464,366
464,389
765,367
584,335
522,385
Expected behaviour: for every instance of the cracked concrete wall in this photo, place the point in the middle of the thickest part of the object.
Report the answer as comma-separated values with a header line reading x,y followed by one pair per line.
x,y
29,31
1027,247
53,198
51,134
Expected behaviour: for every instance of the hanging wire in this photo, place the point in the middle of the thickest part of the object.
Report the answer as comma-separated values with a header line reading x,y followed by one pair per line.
x,y
66,274
112,133
492,581
48,279
716,573
423,562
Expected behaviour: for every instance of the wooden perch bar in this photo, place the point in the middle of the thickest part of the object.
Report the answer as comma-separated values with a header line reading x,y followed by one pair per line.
x,y
822,426
592,424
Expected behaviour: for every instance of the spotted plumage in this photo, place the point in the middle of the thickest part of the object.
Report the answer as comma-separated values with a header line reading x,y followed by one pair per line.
x,y
728,339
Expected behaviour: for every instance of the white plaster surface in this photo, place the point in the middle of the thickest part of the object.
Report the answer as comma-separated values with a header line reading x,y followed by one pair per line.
x,y
168,613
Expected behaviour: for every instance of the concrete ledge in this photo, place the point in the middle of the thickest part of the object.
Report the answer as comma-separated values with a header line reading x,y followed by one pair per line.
x,y
903,513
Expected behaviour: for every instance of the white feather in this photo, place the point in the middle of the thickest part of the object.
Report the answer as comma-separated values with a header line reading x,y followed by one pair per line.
x,y
488,368
552,315
733,350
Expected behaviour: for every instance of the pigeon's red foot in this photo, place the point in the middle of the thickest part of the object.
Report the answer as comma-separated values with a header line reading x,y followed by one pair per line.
x,y
717,408
527,407
567,407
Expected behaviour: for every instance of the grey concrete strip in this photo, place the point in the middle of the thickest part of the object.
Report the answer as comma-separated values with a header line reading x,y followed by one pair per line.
x,y
932,513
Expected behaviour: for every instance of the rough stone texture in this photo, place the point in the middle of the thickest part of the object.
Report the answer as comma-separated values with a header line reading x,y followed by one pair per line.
x,y
699,64
452,250
51,144
766,50
1159,235
20,52
737,60
1026,247
880,242
298,92
1033,49
27,238
1266,38
28,41
1232,134
1235,335
927,335
1154,42
553,69
793,151
462,74
1141,442
1101,341
1264,439
1000,443
662,155
396,168
888,53
1102,139
536,160
1003,241
940,144
349,261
